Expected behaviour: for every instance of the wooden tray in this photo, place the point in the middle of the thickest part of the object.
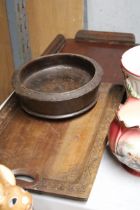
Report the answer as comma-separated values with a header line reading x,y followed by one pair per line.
x,y
105,47
63,157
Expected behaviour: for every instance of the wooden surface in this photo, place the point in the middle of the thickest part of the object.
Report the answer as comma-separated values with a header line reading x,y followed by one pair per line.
x,y
62,156
48,18
6,60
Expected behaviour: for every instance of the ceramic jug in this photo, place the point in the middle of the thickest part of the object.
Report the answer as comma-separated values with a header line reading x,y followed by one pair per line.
x,y
124,135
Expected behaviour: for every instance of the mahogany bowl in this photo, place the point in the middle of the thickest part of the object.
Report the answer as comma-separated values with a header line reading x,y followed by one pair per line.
x,y
58,86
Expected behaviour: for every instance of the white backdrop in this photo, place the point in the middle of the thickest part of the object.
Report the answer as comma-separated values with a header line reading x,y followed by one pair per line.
x,y
114,15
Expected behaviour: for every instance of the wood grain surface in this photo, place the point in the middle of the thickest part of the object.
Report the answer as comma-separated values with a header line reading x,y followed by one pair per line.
x,y
48,18
6,59
61,156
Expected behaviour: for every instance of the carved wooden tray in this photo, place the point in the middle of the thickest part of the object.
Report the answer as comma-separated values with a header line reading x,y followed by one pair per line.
x,y
62,157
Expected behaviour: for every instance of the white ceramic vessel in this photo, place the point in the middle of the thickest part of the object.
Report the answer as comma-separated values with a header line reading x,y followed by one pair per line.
x,y
131,68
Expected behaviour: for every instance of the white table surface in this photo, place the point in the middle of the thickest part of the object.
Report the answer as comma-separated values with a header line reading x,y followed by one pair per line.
x,y
113,189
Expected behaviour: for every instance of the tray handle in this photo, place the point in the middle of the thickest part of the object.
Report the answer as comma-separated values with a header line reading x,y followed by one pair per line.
x,y
26,179
56,45
105,37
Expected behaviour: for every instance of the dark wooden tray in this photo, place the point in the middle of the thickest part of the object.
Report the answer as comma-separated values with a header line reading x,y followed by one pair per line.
x,y
105,47
62,157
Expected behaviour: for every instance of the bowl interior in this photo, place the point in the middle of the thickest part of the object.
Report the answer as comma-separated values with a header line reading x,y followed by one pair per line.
x,y
57,74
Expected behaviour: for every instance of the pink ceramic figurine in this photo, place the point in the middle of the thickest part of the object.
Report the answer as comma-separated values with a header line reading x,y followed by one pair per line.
x,y
124,135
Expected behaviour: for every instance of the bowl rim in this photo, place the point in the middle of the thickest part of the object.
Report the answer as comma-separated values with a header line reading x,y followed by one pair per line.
x,y
22,90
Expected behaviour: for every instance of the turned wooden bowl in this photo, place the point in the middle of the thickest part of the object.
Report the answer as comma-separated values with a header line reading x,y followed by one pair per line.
x,y
58,85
